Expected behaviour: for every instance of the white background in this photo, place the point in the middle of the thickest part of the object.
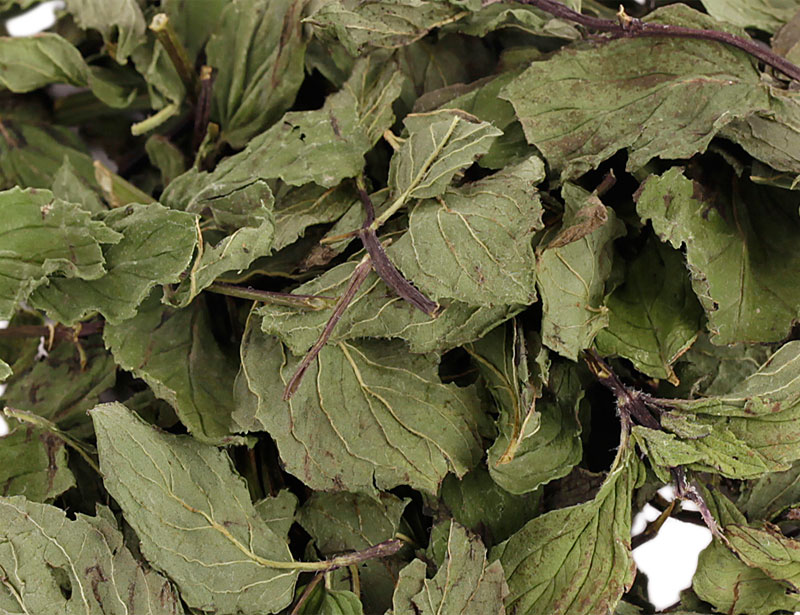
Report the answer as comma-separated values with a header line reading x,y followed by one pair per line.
x,y
669,560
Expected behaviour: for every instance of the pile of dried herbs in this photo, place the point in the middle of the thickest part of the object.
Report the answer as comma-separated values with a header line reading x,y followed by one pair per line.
x,y
407,306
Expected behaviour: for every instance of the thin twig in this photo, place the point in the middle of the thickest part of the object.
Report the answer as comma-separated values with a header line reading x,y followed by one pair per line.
x,y
383,266
307,592
202,110
631,27
357,278
59,332
309,302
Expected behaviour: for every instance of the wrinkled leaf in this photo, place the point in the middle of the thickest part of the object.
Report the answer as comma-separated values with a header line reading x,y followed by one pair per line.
x,y
474,245
156,246
767,15
575,560
193,516
654,317
278,512
258,50
766,548
439,145
365,415
571,279
42,553
176,353
33,463
742,260
119,21
584,104
382,23
43,236
465,584
768,496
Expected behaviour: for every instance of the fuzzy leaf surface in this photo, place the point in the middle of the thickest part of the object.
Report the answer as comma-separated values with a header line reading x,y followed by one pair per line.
x,y
193,516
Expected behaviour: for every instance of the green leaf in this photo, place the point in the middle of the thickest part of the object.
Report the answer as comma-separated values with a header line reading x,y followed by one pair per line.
x,y
166,156
350,522
30,63
741,260
324,601
719,571
70,186
756,422
382,23
770,135
707,369
585,103
465,584
575,560
251,210
548,452
439,144
296,209
121,23
770,495
156,247
193,516
474,243
50,563
63,386
44,236
33,463
175,352
321,147
5,371
478,503
194,21
32,150
278,512
366,415
375,312
767,15
571,277
258,50
733,587
654,316
340,522
526,18
765,547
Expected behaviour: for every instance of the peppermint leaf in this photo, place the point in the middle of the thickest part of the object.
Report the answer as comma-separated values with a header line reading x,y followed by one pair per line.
x,y
582,105
727,249
465,582
193,516
43,553
411,428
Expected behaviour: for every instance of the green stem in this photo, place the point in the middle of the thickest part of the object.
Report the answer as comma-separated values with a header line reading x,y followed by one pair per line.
x,y
42,423
155,120
177,53
116,190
